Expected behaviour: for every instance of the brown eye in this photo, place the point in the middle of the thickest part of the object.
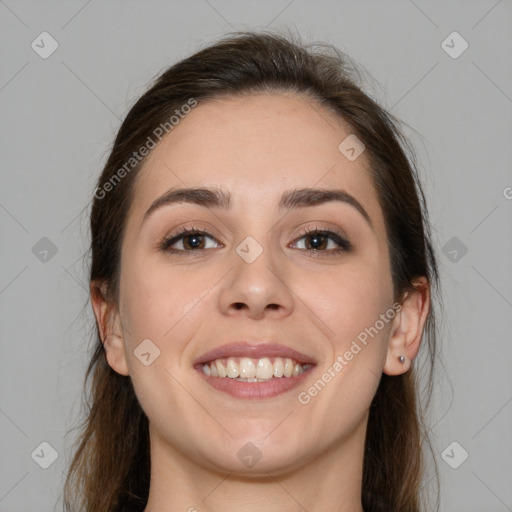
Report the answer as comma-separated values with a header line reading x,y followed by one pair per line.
x,y
194,241
188,240
317,241
323,241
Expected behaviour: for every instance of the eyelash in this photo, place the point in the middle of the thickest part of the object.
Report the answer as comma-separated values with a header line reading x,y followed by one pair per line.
x,y
345,245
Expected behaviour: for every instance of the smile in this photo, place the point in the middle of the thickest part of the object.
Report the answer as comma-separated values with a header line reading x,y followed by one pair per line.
x,y
254,378
246,369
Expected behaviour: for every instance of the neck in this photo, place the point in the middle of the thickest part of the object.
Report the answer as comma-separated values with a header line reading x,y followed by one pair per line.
x,y
330,481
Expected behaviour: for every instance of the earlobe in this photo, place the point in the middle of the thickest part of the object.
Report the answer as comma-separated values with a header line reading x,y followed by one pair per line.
x,y
110,329
407,330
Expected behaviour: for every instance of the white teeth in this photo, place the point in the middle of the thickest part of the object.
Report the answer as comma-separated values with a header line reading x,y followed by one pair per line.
x,y
221,369
232,368
254,370
253,380
288,368
278,367
264,369
247,368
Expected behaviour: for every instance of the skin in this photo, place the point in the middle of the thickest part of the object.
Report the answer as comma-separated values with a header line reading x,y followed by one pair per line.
x,y
311,454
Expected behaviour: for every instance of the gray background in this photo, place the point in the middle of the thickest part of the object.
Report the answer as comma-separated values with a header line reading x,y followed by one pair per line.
x,y
58,118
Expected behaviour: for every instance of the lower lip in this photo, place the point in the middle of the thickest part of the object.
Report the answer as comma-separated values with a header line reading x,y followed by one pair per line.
x,y
254,390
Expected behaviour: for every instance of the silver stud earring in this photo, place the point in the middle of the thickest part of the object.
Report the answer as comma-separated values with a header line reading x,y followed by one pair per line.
x,y
401,359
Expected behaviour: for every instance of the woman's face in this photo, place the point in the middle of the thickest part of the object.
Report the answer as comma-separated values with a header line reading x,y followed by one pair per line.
x,y
255,277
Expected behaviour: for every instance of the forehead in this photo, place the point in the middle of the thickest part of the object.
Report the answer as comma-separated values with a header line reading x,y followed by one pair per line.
x,y
256,147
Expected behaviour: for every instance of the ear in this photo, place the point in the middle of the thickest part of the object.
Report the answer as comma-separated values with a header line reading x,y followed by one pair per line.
x,y
407,330
109,325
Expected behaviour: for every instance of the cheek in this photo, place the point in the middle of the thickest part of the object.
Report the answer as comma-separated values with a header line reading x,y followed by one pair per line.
x,y
347,301
349,304
163,305
167,305
156,298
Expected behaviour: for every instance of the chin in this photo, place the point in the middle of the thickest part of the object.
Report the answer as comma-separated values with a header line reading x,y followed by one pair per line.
x,y
253,455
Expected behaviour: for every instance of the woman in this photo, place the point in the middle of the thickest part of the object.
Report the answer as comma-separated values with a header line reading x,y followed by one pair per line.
x,y
262,278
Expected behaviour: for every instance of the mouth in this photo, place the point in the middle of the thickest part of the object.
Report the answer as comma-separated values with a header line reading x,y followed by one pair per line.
x,y
254,371
245,369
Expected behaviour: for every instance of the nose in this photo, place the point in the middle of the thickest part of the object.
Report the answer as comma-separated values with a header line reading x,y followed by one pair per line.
x,y
257,288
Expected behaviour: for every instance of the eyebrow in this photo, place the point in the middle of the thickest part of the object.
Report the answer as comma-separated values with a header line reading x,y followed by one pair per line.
x,y
291,199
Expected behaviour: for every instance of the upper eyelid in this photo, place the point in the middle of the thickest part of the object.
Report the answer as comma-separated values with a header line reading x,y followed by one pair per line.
x,y
303,232
181,233
319,225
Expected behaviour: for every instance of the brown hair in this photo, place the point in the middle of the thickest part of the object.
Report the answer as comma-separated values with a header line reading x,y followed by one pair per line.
x,y
110,470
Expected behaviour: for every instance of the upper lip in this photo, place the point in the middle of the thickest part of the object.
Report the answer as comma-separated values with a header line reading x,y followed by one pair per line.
x,y
254,350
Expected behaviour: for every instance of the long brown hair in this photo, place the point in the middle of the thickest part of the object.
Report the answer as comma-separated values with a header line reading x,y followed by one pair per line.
x,y
110,470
